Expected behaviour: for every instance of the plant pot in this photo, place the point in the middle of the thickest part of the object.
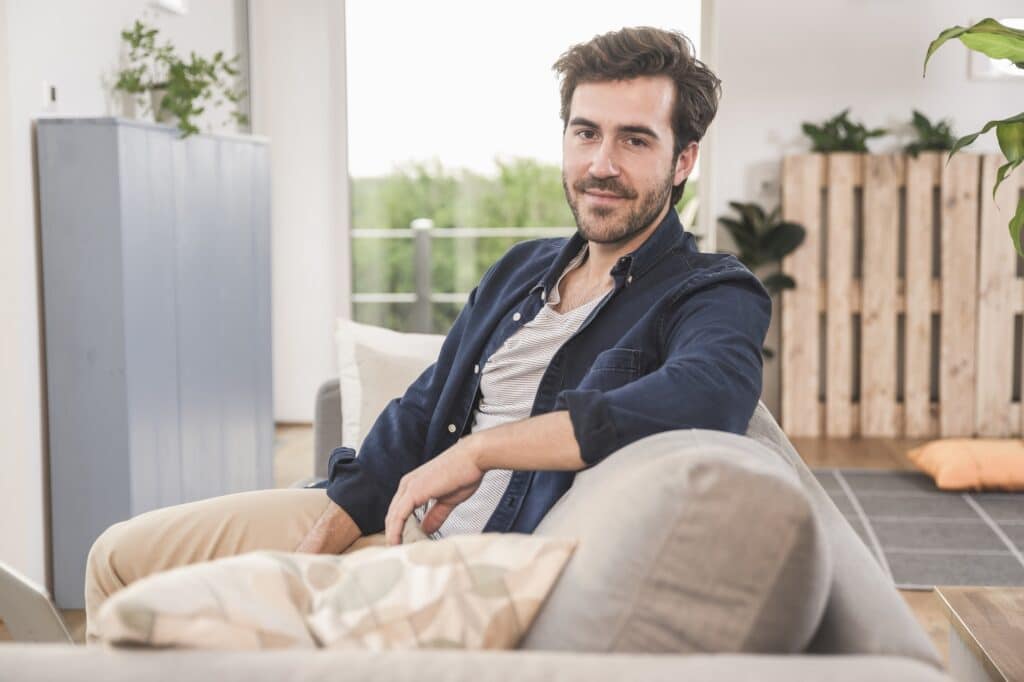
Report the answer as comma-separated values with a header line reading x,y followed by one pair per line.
x,y
161,115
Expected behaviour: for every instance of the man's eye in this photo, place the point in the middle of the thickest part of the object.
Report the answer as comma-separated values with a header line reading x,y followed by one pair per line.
x,y
636,141
586,134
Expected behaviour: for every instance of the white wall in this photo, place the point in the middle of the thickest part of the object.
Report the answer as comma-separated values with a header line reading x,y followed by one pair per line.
x,y
783,63
298,100
75,46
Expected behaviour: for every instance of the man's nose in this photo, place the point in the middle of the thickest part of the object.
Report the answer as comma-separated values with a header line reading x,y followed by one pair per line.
x,y
603,164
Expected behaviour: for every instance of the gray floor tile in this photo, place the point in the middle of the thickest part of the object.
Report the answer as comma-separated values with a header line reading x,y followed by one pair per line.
x,y
955,569
931,506
888,481
956,535
1002,507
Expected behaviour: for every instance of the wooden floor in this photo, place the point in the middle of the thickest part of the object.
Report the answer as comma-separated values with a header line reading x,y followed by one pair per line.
x,y
293,460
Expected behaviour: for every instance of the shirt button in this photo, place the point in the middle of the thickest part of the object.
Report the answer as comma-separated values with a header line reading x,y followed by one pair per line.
x,y
629,280
451,428
476,369
516,317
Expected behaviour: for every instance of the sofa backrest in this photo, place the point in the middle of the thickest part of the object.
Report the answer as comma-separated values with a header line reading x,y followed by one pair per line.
x,y
865,613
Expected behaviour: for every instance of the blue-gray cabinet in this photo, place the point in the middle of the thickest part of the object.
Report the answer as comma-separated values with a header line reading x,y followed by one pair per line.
x,y
156,297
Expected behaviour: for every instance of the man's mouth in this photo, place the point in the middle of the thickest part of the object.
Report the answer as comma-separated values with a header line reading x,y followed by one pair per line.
x,y
598,197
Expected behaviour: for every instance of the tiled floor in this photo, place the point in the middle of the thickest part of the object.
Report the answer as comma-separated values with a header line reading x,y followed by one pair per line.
x,y
293,460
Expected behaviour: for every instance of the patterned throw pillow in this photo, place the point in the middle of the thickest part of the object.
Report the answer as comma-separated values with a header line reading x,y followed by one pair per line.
x,y
467,592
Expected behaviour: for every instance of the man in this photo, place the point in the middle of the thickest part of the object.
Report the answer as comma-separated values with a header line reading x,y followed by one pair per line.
x,y
567,350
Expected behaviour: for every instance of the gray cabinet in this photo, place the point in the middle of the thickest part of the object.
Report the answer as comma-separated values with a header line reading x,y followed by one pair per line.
x,y
156,293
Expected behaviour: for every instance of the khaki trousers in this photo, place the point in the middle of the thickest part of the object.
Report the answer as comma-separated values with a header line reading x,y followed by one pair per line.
x,y
200,531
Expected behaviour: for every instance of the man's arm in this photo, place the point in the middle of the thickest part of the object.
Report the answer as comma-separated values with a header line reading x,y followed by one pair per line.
x,y
544,442
711,378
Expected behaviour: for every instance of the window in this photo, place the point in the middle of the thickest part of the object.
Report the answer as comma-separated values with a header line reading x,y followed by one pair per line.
x,y
455,141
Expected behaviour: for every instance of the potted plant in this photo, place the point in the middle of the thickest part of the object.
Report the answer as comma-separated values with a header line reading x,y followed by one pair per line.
x,y
931,137
840,134
997,41
179,90
763,239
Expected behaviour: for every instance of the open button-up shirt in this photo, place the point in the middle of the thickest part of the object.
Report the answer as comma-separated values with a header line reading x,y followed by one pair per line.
x,y
675,345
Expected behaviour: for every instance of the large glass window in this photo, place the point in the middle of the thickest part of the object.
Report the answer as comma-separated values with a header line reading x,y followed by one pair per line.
x,y
455,141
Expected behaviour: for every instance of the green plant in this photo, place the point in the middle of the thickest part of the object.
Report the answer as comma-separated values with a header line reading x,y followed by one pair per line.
x,y
763,239
840,134
183,88
997,41
931,137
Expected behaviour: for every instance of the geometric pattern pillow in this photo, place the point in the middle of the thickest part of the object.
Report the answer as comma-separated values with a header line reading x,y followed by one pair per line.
x,y
465,591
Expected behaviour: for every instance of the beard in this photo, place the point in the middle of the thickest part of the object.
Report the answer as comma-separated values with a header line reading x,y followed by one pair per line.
x,y
641,214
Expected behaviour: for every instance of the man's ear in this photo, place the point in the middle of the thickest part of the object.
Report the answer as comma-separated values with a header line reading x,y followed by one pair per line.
x,y
685,162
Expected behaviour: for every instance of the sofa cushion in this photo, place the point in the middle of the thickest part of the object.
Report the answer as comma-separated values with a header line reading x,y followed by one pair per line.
x,y
471,592
376,365
690,541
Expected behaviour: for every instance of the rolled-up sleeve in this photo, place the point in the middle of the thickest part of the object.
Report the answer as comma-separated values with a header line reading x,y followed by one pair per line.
x,y
710,378
363,486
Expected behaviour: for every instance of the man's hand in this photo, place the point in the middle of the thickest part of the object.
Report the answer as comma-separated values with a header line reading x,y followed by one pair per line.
x,y
450,478
333,532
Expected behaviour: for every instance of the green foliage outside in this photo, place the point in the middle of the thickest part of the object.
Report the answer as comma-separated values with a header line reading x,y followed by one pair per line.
x,y
522,193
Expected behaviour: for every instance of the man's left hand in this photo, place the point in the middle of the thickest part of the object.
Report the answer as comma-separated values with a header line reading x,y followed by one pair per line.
x,y
450,478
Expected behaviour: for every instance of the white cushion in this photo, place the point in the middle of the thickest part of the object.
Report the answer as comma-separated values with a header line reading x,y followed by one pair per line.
x,y
376,365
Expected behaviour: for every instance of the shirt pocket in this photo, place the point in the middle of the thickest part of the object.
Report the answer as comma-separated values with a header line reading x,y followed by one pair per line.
x,y
613,368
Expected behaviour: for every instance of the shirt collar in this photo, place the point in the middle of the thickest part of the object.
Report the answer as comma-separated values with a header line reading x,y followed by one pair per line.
x,y
629,267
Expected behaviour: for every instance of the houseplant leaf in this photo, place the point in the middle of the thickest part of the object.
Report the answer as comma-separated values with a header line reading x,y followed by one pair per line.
x,y
782,239
777,281
987,36
967,139
1016,223
995,40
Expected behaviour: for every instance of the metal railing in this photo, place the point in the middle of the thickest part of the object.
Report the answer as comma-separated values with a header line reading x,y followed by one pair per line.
x,y
423,232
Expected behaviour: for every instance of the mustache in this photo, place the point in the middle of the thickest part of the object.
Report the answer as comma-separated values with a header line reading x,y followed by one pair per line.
x,y
604,185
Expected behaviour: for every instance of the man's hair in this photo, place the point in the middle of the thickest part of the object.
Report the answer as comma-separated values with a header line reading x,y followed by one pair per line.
x,y
643,51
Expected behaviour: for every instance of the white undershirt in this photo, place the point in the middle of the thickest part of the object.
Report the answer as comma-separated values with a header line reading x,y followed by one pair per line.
x,y
509,381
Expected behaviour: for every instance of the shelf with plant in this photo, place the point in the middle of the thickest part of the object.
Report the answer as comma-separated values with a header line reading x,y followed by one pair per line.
x,y
179,89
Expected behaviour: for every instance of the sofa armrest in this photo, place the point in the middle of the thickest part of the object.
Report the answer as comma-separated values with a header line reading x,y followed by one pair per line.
x,y
326,425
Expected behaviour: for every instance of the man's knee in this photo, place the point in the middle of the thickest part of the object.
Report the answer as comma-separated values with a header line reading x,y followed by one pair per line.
x,y
104,554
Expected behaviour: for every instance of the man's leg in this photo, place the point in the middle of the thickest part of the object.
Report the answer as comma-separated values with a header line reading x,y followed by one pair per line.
x,y
200,531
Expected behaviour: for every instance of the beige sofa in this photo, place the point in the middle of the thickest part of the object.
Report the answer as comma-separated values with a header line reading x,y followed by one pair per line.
x,y
866,632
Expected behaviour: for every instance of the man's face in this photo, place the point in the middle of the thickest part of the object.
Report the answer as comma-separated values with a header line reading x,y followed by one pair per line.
x,y
617,164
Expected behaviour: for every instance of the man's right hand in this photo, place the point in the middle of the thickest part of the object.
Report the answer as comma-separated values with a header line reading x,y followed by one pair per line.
x,y
332,533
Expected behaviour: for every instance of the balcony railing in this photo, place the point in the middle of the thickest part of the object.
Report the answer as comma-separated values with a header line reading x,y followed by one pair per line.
x,y
422,233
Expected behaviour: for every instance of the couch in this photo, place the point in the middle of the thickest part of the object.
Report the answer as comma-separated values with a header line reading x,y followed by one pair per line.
x,y
867,630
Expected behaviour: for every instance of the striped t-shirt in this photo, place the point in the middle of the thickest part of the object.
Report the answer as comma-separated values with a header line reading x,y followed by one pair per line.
x,y
508,383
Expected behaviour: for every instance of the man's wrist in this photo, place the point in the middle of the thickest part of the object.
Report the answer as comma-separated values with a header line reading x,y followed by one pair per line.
x,y
475,444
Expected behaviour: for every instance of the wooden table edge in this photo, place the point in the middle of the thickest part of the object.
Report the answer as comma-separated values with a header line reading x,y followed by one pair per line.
x,y
964,633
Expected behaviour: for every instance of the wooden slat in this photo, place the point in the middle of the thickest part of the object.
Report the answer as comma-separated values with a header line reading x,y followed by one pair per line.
x,y
922,177
883,175
844,173
996,415
959,214
933,295
802,178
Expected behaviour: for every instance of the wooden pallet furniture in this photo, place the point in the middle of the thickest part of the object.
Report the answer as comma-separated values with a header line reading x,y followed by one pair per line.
x,y
906,317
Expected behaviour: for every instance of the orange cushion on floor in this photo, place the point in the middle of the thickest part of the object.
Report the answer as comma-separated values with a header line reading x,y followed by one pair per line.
x,y
973,463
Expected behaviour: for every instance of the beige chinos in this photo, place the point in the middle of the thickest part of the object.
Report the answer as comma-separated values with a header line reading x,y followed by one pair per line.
x,y
200,531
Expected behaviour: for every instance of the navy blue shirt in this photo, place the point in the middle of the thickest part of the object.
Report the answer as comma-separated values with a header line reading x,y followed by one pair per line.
x,y
676,344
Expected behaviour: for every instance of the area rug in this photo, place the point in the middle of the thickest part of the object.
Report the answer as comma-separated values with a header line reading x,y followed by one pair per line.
x,y
923,536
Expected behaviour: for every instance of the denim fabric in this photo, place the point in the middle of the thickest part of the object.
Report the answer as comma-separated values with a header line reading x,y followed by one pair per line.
x,y
677,344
